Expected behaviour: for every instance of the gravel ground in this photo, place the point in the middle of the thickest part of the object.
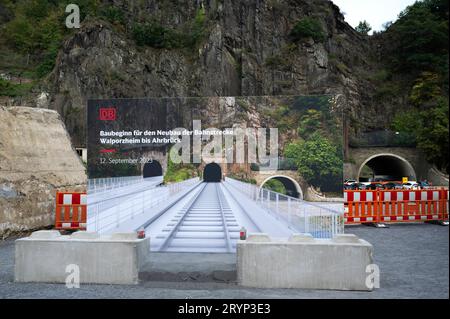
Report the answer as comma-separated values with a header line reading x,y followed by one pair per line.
x,y
413,261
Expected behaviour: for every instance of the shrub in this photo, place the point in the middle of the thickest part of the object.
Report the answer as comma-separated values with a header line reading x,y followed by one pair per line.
x,y
154,35
157,36
12,89
113,14
308,28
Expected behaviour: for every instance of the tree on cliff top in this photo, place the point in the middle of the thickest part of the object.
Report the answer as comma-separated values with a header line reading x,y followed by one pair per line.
x,y
318,161
363,27
416,52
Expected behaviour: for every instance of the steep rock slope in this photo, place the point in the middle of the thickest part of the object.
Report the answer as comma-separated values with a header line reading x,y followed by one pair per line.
x,y
246,49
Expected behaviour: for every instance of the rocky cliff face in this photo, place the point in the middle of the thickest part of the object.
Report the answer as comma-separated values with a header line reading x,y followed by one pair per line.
x,y
246,50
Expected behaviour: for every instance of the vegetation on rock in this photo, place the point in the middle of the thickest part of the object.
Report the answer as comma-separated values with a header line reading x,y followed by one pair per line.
x,y
308,28
179,172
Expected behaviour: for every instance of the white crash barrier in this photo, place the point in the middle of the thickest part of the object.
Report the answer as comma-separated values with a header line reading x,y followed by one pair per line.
x,y
304,262
47,256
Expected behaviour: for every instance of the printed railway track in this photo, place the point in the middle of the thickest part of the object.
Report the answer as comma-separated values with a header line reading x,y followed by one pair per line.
x,y
205,224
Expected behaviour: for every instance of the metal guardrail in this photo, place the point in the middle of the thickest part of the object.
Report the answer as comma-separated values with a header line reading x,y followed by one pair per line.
x,y
111,212
320,220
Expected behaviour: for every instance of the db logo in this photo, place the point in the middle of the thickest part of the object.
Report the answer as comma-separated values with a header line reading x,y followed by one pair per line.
x,y
107,114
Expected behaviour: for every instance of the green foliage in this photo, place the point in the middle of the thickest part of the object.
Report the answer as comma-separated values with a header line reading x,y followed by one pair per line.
x,y
417,53
310,122
419,38
179,172
19,32
275,186
285,118
308,28
363,27
308,115
426,89
37,31
318,160
155,35
113,14
427,121
430,127
12,89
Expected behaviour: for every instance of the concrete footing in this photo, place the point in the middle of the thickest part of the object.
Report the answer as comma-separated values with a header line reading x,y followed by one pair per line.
x,y
46,256
304,262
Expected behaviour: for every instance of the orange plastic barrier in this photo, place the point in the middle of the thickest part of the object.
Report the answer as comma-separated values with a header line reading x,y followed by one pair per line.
x,y
384,206
71,211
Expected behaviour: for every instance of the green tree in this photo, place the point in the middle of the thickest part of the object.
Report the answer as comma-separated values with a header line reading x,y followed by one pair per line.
x,y
363,27
36,31
430,128
318,161
416,52
419,38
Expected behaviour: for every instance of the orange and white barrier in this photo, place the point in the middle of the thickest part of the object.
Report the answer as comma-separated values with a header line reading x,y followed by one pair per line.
x,y
71,211
383,206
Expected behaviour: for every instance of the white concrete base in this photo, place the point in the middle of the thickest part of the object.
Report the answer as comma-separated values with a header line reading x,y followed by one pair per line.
x,y
304,262
112,259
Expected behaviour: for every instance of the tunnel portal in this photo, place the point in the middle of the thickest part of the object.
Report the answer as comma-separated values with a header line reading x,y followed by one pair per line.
x,y
387,168
212,173
291,187
151,169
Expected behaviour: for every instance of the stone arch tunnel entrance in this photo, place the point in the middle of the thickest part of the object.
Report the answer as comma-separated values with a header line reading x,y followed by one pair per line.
x,y
151,169
283,184
387,167
212,173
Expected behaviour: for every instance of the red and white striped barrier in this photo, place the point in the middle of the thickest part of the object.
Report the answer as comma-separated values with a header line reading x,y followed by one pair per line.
x,y
71,211
395,206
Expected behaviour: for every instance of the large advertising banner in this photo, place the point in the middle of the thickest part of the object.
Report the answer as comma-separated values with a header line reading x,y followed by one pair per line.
x,y
195,173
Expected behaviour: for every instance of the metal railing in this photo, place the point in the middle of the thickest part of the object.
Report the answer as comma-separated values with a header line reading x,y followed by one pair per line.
x,y
96,185
321,220
110,212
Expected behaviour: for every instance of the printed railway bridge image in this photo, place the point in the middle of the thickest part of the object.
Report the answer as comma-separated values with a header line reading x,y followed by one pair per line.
x,y
205,215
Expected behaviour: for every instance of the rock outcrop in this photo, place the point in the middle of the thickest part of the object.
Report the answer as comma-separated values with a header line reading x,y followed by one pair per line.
x,y
36,159
246,50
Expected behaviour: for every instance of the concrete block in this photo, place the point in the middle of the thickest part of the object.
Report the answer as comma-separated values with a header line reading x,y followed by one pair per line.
x,y
123,236
85,235
100,260
346,238
301,238
304,263
260,238
45,234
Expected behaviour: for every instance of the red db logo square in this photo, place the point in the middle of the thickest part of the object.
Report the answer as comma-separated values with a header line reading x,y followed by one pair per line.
x,y
107,114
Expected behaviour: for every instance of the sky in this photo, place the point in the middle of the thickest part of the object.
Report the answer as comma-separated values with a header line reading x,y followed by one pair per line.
x,y
376,12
